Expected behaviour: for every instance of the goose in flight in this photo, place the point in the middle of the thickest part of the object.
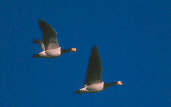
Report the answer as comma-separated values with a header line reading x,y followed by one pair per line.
x,y
94,82
49,44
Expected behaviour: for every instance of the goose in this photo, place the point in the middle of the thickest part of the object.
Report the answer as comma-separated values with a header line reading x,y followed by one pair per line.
x,y
94,82
49,44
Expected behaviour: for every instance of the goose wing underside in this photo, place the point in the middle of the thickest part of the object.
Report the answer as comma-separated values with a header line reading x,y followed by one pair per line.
x,y
49,35
94,72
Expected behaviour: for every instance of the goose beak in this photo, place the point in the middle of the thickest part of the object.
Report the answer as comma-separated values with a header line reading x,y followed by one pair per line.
x,y
119,83
74,49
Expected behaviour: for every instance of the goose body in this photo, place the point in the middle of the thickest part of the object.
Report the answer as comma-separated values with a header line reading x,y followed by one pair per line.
x,y
94,82
49,44
54,52
92,88
50,53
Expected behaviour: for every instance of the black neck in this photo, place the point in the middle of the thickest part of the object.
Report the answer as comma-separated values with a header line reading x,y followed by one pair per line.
x,y
106,85
66,50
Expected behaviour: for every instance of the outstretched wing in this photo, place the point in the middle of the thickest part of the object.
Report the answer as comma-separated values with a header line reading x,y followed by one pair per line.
x,y
49,35
94,72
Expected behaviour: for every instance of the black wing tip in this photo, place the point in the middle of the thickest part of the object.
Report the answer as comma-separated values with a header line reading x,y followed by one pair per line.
x,y
95,48
41,21
37,41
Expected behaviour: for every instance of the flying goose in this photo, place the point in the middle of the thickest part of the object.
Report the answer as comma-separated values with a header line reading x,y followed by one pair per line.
x,y
49,44
94,82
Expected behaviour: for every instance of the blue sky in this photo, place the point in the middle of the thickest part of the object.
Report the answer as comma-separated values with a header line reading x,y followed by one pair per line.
x,y
134,40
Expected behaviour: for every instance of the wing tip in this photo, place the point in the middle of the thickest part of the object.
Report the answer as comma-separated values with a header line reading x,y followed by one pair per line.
x,y
37,41
95,49
41,21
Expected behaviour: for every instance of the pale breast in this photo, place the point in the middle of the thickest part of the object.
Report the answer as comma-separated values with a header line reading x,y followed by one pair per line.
x,y
54,52
96,86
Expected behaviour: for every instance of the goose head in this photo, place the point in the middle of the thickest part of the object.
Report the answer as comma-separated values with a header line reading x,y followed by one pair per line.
x,y
119,83
73,49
